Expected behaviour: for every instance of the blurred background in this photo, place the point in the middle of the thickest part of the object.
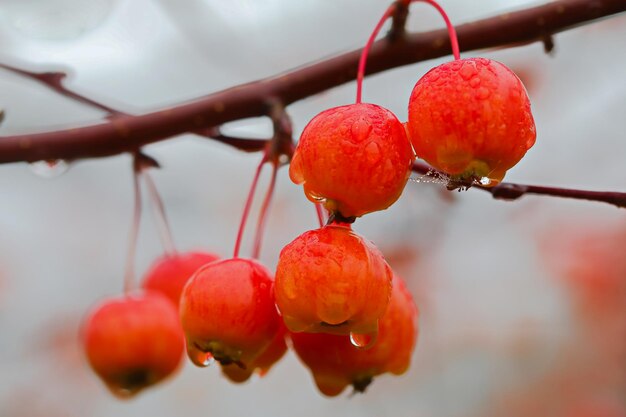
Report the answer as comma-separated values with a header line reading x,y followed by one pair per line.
x,y
523,304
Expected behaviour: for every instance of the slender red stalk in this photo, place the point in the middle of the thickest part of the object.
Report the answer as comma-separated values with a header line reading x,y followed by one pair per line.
x,y
158,208
260,227
454,42
320,214
361,71
246,209
129,275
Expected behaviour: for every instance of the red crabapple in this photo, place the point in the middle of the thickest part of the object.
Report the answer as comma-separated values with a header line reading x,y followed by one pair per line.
x,y
355,159
331,280
471,119
335,363
169,273
228,312
133,341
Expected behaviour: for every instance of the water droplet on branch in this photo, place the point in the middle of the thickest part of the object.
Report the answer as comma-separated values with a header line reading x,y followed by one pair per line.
x,y
49,168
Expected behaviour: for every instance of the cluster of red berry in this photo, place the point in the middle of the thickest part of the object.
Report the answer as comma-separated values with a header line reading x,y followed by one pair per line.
x,y
348,316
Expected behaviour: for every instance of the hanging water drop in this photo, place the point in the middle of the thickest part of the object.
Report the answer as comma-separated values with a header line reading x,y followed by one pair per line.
x,y
485,181
363,340
51,168
198,357
122,393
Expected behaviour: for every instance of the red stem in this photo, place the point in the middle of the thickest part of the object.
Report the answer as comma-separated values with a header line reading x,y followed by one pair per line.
x,y
366,49
129,275
260,227
163,225
246,209
454,41
320,214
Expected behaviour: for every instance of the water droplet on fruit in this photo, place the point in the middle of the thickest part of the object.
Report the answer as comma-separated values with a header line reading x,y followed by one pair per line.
x,y
316,197
372,152
468,70
363,341
199,357
295,169
485,181
49,168
361,129
483,93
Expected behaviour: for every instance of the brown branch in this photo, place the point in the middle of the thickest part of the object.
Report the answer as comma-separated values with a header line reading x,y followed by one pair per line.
x,y
54,81
125,133
509,191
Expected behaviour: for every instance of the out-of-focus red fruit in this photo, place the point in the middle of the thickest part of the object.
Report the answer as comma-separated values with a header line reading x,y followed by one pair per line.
x,y
590,261
595,408
355,159
262,364
331,280
169,273
335,363
133,341
228,312
471,118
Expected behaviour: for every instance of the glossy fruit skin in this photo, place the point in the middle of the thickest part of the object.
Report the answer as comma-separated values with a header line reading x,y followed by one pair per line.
x,y
471,118
169,273
262,364
335,363
355,158
133,341
227,310
332,280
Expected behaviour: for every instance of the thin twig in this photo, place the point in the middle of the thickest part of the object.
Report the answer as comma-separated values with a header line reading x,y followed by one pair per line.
x,y
54,80
510,191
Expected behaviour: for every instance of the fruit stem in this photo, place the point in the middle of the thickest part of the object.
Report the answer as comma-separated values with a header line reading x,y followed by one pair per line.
x,y
454,42
158,208
129,275
366,49
337,218
320,213
260,227
248,205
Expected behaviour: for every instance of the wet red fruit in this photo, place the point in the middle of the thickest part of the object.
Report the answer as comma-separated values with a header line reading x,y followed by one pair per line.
x,y
228,312
169,273
471,118
355,158
262,364
133,341
332,280
335,363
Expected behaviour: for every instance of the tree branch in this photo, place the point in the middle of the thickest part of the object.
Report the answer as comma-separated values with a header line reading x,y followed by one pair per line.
x,y
509,191
126,133
54,81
